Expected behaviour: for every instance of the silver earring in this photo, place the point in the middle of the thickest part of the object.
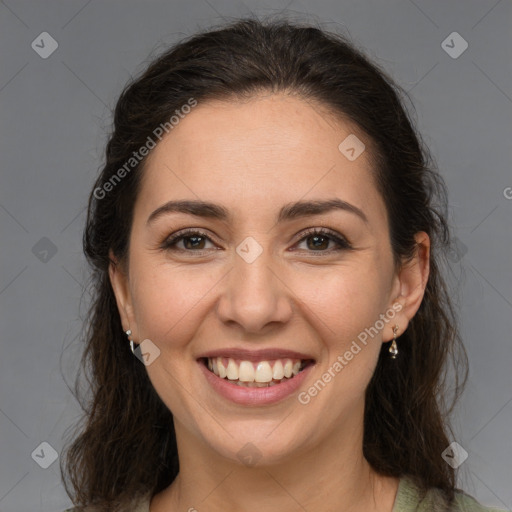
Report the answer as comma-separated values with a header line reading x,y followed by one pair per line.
x,y
393,349
132,347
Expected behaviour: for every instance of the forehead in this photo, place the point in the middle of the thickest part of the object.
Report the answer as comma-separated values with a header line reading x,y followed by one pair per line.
x,y
259,152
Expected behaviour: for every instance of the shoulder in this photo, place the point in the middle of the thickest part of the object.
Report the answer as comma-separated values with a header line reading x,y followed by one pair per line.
x,y
465,503
410,498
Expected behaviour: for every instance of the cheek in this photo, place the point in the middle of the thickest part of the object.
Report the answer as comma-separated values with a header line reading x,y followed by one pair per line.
x,y
341,303
168,299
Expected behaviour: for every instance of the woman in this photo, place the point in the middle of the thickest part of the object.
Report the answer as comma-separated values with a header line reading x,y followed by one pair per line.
x,y
266,237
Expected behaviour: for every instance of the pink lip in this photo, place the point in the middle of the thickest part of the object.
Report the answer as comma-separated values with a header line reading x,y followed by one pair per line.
x,y
256,355
254,396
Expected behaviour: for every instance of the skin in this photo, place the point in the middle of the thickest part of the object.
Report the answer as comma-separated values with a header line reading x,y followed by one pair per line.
x,y
253,157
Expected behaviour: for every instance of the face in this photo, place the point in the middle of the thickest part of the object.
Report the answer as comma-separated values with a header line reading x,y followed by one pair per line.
x,y
261,279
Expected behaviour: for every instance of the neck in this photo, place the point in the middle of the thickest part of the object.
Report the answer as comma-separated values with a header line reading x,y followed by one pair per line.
x,y
333,476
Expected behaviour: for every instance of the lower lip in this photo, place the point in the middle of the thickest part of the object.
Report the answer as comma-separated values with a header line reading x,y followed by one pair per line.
x,y
254,396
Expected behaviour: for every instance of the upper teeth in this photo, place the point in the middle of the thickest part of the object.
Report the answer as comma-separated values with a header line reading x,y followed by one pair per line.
x,y
247,371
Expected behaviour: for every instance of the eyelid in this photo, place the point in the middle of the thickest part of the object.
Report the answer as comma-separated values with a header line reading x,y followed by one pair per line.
x,y
339,239
176,237
342,242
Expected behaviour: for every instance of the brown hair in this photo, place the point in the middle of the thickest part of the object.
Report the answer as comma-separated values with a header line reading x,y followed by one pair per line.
x,y
126,445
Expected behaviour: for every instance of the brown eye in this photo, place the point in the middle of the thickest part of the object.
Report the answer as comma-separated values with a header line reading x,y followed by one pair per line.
x,y
193,241
318,240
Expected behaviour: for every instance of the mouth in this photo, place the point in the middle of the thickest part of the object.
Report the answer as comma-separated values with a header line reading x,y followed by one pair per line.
x,y
264,373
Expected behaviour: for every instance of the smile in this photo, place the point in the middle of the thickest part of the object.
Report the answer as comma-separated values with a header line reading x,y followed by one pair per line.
x,y
256,374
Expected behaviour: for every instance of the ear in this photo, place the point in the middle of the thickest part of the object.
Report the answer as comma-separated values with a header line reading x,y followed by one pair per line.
x,y
410,285
120,284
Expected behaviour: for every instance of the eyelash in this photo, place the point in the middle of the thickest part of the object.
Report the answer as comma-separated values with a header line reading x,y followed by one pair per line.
x,y
170,242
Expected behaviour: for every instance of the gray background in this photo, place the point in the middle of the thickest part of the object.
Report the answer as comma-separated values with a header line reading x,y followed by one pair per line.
x,y
55,113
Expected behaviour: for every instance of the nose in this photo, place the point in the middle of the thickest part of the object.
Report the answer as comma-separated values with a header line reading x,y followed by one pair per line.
x,y
255,296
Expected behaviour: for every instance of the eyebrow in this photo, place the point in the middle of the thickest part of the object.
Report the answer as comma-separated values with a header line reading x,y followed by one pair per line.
x,y
288,212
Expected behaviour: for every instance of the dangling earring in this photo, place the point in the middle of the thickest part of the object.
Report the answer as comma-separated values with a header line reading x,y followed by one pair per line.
x,y
393,349
129,333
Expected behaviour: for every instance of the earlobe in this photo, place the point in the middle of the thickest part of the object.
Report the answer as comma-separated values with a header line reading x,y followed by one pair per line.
x,y
413,278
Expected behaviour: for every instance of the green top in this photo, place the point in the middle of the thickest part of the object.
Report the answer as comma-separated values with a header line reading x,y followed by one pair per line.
x,y
408,499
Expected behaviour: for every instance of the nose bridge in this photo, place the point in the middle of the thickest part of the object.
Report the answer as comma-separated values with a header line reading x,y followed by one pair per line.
x,y
255,295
